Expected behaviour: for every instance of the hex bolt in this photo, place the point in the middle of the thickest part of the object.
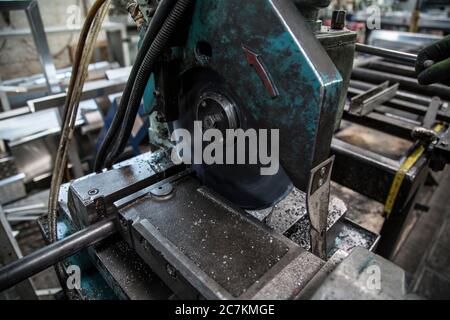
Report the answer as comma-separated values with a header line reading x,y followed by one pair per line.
x,y
93,192
162,193
321,182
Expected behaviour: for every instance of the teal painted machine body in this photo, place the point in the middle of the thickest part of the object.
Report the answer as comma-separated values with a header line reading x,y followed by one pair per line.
x,y
93,285
303,104
305,84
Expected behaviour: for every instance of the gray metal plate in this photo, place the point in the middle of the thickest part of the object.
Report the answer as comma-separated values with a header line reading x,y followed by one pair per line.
x,y
12,188
226,245
126,273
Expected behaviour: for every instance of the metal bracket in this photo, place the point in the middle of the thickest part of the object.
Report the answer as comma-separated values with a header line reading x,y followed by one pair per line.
x,y
10,252
441,154
433,109
426,134
317,201
364,103
31,9
444,144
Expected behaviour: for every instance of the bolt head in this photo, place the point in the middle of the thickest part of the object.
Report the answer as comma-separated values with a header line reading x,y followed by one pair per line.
x,y
321,182
93,192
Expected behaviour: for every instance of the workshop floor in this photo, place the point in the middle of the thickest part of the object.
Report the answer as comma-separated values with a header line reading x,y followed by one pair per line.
x,y
425,255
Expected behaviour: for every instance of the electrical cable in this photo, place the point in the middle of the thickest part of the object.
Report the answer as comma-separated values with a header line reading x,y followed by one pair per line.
x,y
161,14
80,48
156,49
85,49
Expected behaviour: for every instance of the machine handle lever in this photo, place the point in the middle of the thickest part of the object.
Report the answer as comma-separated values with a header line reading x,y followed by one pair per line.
x,y
41,259
387,53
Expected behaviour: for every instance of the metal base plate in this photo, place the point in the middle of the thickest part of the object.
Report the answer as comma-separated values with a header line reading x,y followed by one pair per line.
x,y
222,252
200,245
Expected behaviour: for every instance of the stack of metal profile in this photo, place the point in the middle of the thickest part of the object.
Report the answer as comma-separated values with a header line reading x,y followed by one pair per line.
x,y
12,186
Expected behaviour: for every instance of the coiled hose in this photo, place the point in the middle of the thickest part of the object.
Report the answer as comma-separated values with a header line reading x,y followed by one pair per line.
x,y
161,14
145,70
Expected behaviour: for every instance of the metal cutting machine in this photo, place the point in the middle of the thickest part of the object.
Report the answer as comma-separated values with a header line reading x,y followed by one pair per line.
x,y
220,231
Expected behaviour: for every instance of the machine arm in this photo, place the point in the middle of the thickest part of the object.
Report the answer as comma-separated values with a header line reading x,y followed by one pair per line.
x,y
40,260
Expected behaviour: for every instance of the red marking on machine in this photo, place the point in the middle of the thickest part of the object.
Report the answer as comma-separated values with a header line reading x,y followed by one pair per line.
x,y
255,61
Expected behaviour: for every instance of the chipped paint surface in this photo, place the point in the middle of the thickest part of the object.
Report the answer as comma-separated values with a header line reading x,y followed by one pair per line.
x,y
305,109
308,83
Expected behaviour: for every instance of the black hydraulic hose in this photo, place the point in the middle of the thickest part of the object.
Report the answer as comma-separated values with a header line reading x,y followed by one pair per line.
x,y
156,49
161,14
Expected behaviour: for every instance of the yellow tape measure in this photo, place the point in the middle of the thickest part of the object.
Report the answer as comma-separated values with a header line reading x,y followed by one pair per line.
x,y
401,173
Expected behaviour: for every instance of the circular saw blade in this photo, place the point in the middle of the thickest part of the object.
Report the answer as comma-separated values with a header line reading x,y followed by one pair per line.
x,y
241,184
244,186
